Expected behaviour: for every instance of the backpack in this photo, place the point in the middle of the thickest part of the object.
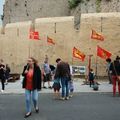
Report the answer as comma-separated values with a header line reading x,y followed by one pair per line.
x,y
95,87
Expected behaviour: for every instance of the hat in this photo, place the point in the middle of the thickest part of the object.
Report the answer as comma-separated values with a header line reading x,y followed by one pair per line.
x,y
57,60
108,60
117,58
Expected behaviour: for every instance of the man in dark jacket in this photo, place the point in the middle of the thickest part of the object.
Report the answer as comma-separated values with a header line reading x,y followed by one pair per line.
x,y
115,71
63,73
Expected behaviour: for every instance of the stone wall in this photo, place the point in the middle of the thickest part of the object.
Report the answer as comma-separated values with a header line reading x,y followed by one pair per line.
x,y
22,10
94,6
15,46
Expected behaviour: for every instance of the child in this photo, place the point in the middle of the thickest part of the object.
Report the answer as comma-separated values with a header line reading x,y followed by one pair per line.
x,y
71,88
56,86
91,77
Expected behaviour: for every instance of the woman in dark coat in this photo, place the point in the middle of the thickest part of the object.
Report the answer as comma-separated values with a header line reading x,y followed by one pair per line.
x,y
31,83
2,74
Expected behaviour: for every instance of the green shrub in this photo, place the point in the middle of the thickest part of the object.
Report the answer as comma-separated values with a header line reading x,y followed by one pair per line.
x,y
98,2
74,3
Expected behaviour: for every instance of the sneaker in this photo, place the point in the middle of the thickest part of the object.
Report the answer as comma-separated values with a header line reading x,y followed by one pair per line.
x,y
44,87
37,110
27,115
6,83
62,98
67,98
50,87
2,91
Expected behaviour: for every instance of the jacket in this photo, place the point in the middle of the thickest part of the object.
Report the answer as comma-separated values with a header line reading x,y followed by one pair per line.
x,y
115,68
36,77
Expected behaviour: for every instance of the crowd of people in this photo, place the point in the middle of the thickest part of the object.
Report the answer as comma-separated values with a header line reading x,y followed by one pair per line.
x,y
35,78
61,75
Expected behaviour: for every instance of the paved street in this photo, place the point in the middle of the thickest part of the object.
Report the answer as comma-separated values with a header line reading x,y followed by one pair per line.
x,y
86,104
83,106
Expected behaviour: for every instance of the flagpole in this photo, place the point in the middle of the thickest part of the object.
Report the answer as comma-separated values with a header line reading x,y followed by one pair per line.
x,y
96,65
101,24
29,49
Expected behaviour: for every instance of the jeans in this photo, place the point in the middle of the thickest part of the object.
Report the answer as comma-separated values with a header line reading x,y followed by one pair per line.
x,y
65,89
28,95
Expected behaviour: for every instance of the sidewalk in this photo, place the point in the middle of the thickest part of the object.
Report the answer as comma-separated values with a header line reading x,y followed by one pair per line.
x,y
16,87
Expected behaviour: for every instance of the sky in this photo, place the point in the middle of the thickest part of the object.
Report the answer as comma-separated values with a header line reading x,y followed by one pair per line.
x,y
1,9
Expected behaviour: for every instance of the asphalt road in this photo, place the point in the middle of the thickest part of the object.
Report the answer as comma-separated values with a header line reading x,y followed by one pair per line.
x,y
83,106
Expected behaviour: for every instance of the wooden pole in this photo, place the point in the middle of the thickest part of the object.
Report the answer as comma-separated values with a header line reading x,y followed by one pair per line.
x,y
29,50
96,64
55,28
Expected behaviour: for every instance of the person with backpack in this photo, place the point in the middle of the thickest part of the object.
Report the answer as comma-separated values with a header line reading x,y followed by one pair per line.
x,y
91,77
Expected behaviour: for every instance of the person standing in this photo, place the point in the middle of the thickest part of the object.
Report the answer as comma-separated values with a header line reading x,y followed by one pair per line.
x,y
108,60
63,73
47,73
2,75
71,88
31,84
115,71
7,73
91,77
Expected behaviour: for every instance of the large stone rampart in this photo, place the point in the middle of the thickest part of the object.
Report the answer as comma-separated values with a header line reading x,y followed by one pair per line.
x,y
15,46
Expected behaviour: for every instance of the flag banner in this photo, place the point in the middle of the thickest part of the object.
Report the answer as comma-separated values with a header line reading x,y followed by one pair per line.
x,y
103,53
50,40
34,35
78,54
96,36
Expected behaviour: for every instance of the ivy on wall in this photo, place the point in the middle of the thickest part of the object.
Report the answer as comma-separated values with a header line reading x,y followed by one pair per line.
x,y
98,4
74,3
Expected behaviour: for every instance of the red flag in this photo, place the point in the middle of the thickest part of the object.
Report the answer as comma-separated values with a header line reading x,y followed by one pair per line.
x,y
50,40
34,35
96,36
78,54
103,53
